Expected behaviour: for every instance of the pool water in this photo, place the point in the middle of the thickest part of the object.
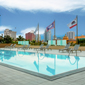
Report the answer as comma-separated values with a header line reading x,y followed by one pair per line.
x,y
48,64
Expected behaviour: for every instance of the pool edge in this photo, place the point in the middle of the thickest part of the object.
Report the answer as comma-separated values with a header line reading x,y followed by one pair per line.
x,y
50,78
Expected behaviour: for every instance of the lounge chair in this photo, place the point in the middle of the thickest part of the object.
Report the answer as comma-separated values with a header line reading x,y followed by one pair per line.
x,y
27,47
9,46
21,47
44,48
75,48
13,46
66,48
39,47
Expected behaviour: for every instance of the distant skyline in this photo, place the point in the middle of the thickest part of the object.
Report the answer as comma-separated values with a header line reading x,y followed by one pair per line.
x,y
26,14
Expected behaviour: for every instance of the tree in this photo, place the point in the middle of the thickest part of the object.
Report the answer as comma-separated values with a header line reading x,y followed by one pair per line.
x,y
8,39
29,41
1,40
33,41
20,38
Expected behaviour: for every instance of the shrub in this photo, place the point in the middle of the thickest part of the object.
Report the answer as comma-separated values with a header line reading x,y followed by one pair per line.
x,y
45,43
8,39
15,42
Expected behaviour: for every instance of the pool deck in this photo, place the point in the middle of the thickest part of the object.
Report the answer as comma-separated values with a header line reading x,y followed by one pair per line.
x,y
10,76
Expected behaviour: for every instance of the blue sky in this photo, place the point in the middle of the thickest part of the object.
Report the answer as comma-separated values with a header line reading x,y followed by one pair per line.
x,y
26,14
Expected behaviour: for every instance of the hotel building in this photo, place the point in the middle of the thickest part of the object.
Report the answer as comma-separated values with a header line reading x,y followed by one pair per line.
x,y
30,36
47,35
11,33
71,35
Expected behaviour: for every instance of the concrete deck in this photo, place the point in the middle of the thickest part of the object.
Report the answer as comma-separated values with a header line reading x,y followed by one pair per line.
x,y
82,53
10,76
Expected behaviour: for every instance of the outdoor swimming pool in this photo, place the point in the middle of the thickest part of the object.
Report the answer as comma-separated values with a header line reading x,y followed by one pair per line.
x,y
46,64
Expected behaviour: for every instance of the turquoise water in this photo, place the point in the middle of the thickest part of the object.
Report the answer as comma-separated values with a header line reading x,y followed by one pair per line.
x,y
48,64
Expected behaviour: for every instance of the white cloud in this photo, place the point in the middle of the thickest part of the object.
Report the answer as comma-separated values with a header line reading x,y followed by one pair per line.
x,y
19,35
2,28
23,32
43,5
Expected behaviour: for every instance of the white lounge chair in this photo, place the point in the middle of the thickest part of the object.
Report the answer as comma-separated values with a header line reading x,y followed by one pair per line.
x,y
66,48
75,48
21,47
13,46
44,48
27,47
39,47
9,46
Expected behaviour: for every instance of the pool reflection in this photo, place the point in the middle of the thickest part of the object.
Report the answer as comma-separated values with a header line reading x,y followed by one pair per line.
x,y
48,64
6,54
54,66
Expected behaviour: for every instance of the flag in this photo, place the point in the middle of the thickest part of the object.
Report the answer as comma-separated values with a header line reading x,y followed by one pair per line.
x,y
36,29
51,26
73,23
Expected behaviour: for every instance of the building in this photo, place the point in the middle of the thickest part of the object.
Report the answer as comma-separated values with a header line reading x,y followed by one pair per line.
x,y
36,37
69,40
71,35
81,37
30,36
11,33
47,35
65,38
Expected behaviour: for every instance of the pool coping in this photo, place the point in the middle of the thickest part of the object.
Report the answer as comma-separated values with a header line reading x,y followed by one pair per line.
x,y
50,78
62,53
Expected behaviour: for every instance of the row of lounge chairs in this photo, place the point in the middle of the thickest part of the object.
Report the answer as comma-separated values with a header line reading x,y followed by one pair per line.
x,y
40,48
70,49
28,47
67,49
11,46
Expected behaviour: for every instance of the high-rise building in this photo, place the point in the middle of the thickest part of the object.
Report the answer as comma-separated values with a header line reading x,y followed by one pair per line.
x,y
36,37
11,33
71,35
30,36
47,35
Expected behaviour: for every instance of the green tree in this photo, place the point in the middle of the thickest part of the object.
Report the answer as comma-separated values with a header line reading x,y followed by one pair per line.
x,y
8,39
33,41
29,41
20,38
1,40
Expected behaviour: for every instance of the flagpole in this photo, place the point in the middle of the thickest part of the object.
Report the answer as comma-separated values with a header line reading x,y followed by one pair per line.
x,y
38,32
54,29
77,30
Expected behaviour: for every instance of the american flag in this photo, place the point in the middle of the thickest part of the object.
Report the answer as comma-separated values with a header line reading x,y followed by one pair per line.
x,y
51,26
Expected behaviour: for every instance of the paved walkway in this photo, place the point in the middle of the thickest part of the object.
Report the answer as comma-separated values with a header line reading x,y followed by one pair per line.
x,y
10,76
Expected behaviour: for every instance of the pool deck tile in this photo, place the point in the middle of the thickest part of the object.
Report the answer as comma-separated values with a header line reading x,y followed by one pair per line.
x,y
10,76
